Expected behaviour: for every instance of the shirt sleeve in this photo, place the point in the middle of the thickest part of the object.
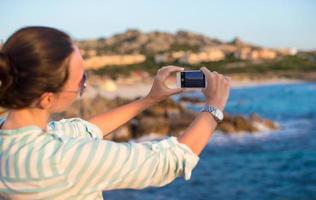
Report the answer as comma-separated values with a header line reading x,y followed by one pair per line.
x,y
75,127
96,165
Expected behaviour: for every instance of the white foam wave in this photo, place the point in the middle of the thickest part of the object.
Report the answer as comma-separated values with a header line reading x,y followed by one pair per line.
x,y
291,128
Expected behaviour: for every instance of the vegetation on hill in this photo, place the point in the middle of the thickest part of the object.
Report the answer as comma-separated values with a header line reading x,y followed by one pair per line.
x,y
150,44
289,66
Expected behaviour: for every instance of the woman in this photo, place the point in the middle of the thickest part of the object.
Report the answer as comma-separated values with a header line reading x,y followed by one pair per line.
x,y
41,72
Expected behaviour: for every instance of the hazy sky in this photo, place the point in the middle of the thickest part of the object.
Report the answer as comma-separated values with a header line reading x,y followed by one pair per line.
x,y
271,23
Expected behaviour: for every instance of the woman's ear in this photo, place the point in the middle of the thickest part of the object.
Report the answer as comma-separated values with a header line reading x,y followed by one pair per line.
x,y
47,101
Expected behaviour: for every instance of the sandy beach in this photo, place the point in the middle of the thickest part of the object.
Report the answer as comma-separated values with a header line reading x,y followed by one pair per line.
x,y
141,88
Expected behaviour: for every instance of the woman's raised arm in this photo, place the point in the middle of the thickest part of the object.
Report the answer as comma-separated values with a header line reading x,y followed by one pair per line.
x,y
216,93
113,119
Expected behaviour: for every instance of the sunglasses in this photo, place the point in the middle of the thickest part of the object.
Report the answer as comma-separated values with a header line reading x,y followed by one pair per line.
x,y
82,85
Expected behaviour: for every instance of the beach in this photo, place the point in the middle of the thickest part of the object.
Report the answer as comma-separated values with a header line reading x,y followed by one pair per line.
x,y
140,87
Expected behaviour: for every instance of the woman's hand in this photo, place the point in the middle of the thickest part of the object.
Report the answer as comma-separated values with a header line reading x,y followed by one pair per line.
x,y
197,135
217,90
159,91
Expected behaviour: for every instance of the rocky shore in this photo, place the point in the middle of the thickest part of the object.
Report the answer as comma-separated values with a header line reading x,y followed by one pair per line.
x,y
164,119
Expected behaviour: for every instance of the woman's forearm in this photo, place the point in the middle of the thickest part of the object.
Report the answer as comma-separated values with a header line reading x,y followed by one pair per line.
x,y
216,94
198,133
113,119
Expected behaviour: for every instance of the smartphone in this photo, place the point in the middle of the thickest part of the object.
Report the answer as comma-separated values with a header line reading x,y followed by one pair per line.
x,y
191,79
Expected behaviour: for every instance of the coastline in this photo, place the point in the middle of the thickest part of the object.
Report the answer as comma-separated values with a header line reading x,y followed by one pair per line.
x,y
272,81
118,89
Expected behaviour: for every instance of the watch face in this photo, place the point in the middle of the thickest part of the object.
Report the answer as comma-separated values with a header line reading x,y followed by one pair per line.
x,y
219,114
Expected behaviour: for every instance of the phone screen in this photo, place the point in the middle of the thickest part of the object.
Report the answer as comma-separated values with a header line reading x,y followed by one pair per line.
x,y
192,79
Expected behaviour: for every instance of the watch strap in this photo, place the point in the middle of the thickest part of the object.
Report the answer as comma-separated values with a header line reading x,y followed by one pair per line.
x,y
214,111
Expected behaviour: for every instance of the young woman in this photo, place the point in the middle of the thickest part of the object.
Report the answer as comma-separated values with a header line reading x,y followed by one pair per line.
x,y
41,72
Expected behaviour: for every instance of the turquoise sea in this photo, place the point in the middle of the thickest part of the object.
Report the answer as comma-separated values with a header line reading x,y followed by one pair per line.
x,y
265,166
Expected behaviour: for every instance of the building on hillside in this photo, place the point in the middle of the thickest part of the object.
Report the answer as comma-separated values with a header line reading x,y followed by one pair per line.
x,y
106,60
209,55
287,52
248,53
168,57
203,56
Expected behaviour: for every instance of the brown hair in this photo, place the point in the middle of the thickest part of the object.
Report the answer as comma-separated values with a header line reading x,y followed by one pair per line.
x,y
34,60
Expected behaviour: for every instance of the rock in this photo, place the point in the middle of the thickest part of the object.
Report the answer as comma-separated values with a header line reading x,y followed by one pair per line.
x,y
165,118
191,99
242,124
228,117
147,125
180,121
163,108
255,117
123,134
271,124
226,127
263,124
109,85
133,42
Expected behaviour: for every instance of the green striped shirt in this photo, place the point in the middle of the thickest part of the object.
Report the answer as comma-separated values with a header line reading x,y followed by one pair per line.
x,y
70,160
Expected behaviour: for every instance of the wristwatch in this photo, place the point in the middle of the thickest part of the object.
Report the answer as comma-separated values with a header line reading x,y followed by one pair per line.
x,y
217,113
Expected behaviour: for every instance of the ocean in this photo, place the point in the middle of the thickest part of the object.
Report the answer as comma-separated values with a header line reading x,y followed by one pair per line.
x,y
264,166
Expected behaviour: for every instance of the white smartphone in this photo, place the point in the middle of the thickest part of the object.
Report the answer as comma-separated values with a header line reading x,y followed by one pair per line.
x,y
191,79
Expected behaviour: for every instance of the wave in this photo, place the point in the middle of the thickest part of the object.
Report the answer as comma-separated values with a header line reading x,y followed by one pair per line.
x,y
292,128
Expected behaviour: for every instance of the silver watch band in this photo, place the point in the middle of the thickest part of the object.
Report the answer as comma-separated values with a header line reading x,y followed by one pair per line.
x,y
215,112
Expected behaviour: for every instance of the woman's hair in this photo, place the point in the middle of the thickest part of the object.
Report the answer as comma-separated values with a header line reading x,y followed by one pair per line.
x,y
34,60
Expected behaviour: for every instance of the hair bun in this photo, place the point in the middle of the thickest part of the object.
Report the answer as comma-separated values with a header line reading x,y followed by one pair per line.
x,y
6,77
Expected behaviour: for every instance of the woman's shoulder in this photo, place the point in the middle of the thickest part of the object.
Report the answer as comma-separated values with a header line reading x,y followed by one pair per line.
x,y
75,127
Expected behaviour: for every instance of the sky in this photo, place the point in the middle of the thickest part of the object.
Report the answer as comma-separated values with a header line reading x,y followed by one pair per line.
x,y
269,23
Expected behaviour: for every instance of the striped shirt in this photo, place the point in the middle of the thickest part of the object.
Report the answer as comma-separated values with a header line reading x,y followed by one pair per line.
x,y
70,160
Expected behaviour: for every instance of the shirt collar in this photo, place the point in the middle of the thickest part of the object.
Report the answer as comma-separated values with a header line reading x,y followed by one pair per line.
x,y
22,130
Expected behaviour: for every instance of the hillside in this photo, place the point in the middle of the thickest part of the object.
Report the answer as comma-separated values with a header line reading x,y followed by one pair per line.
x,y
135,50
134,41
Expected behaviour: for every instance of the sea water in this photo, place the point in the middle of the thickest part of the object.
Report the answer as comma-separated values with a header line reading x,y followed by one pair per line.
x,y
268,165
